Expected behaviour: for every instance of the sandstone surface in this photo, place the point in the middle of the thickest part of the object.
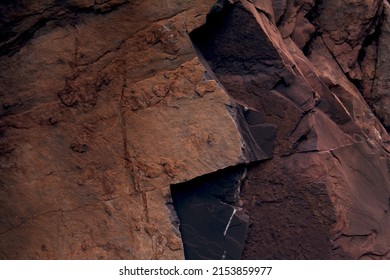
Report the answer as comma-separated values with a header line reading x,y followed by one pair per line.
x,y
194,129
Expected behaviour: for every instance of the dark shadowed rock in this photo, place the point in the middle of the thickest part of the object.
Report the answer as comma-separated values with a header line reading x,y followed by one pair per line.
x,y
380,97
212,223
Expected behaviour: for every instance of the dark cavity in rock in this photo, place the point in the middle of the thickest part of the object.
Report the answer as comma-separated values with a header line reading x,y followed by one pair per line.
x,y
212,223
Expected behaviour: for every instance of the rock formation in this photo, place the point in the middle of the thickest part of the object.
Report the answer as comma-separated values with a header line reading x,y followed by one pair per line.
x,y
195,129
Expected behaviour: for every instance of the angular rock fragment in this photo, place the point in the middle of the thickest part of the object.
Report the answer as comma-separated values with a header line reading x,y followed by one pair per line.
x,y
212,223
330,115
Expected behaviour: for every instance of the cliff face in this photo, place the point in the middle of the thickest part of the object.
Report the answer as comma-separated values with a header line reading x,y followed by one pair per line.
x,y
194,129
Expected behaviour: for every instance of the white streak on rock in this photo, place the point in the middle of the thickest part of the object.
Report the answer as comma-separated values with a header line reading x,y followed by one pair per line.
x,y
224,255
230,220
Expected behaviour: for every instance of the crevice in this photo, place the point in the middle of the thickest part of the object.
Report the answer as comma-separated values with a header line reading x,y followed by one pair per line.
x,y
126,153
307,48
332,54
130,167
174,219
374,255
299,122
335,156
212,223
314,12
357,235
311,16
282,18
370,40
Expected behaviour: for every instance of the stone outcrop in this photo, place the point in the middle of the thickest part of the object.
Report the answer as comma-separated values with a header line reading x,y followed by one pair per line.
x,y
207,130
379,96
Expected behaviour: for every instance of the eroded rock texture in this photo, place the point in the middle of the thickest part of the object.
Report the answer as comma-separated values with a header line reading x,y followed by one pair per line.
x,y
194,129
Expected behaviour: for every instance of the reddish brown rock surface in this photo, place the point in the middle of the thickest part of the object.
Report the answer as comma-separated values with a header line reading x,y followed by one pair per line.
x,y
172,129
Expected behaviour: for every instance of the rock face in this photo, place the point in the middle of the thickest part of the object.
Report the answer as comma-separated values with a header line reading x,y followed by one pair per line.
x,y
379,97
175,129
212,200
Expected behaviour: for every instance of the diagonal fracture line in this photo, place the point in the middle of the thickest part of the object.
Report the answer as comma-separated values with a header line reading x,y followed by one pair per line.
x,y
230,220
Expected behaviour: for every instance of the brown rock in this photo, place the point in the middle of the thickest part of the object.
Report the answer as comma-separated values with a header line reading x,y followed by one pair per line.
x,y
293,194
120,135
127,102
380,99
345,25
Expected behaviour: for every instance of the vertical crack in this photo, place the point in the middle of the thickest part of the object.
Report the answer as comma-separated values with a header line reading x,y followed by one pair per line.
x,y
130,166
124,130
